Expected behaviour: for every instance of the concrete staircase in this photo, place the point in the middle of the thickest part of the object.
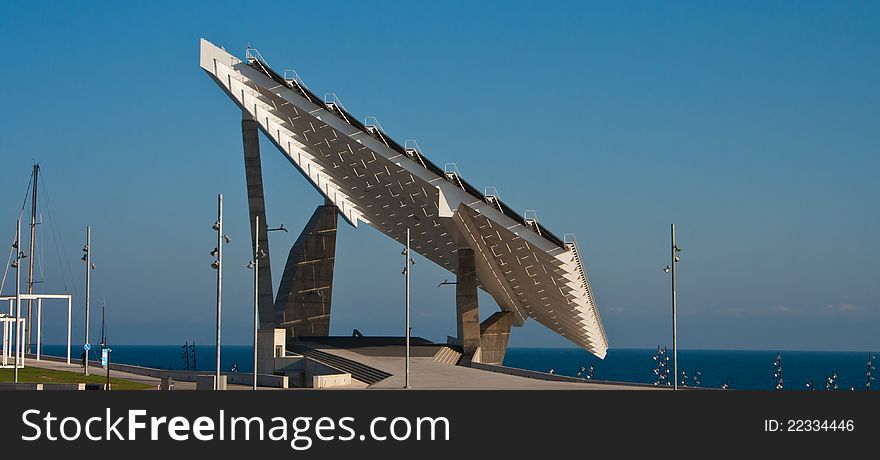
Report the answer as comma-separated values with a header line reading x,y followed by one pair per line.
x,y
362,372
447,355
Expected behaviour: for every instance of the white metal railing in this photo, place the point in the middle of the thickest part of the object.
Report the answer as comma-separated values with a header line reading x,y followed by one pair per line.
x,y
330,99
411,144
412,148
372,124
254,56
530,216
491,194
291,76
251,54
451,172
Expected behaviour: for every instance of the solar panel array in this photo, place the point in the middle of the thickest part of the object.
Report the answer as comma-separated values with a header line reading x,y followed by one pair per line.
x,y
373,179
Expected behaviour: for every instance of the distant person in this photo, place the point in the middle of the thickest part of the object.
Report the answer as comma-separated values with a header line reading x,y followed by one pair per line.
x,y
82,358
235,366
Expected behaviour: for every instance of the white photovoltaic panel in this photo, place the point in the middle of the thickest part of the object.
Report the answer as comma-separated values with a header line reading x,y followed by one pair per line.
x,y
371,179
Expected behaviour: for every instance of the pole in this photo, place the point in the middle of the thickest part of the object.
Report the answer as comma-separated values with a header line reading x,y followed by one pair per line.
x,y
104,340
408,266
219,284
69,314
5,335
5,345
88,294
256,290
39,325
103,314
674,316
30,285
17,298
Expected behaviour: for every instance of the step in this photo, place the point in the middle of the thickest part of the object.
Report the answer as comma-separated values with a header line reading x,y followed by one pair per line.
x,y
447,355
362,372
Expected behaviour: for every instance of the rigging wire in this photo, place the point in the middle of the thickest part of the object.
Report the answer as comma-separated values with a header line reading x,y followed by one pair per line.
x,y
60,249
11,249
42,251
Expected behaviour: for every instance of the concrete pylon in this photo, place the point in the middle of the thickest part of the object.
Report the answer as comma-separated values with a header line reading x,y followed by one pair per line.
x,y
494,335
305,292
257,207
467,307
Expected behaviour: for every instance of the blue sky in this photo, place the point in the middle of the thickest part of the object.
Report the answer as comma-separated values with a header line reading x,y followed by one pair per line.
x,y
751,125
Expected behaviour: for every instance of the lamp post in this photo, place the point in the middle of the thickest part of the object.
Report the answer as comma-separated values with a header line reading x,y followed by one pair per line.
x,y
674,249
16,264
218,265
408,263
777,372
87,258
105,350
831,382
255,266
662,372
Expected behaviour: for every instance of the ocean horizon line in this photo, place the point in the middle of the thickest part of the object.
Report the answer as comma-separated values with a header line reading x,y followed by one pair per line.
x,y
774,350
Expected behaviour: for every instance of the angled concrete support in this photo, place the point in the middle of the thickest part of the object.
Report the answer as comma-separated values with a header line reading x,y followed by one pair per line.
x,y
467,307
257,207
304,296
494,334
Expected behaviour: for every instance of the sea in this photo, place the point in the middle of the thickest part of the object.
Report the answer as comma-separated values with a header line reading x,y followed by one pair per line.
x,y
735,369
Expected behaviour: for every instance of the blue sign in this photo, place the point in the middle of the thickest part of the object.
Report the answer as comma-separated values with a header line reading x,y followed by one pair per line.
x,y
104,352
87,347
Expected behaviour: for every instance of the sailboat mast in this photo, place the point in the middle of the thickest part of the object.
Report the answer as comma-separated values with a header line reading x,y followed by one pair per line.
x,y
30,283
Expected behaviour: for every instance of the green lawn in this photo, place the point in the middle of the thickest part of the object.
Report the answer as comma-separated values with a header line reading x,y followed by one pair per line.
x,y
37,375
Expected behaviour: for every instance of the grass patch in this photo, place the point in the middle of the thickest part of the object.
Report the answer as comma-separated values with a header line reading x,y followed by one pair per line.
x,y
32,374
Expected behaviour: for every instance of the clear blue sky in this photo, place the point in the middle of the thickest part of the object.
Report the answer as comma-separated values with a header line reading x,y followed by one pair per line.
x,y
751,125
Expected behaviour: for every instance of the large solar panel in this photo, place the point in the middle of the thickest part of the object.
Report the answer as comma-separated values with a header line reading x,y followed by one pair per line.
x,y
373,179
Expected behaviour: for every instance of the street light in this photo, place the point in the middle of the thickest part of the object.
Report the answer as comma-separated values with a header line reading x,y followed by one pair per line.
x,y
87,258
408,263
218,265
671,268
255,266
777,372
446,283
16,264
831,382
662,369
